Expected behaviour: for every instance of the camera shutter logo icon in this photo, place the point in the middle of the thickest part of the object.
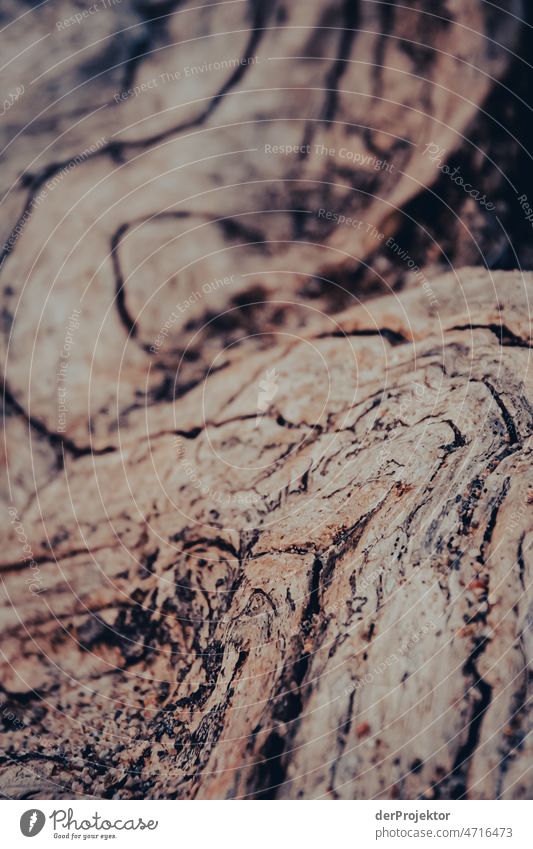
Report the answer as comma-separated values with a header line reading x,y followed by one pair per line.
x,y
32,822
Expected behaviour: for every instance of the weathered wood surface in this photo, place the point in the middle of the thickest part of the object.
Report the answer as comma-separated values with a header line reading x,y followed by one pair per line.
x,y
282,550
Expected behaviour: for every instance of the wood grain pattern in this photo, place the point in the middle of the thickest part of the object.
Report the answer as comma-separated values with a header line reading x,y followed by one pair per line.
x,y
281,535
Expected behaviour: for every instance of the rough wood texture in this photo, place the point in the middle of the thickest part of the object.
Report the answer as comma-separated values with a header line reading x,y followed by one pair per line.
x,y
281,545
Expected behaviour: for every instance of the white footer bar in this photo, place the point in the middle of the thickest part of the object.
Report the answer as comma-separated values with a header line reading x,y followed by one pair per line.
x,y
264,825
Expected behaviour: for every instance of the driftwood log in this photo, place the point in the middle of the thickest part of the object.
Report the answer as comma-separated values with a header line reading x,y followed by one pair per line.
x,y
268,509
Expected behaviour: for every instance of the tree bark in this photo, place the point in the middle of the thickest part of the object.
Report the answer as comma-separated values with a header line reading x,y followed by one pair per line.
x,y
279,523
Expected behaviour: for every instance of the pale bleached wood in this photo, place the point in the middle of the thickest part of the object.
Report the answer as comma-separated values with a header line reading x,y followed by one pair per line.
x,y
329,599
387,542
